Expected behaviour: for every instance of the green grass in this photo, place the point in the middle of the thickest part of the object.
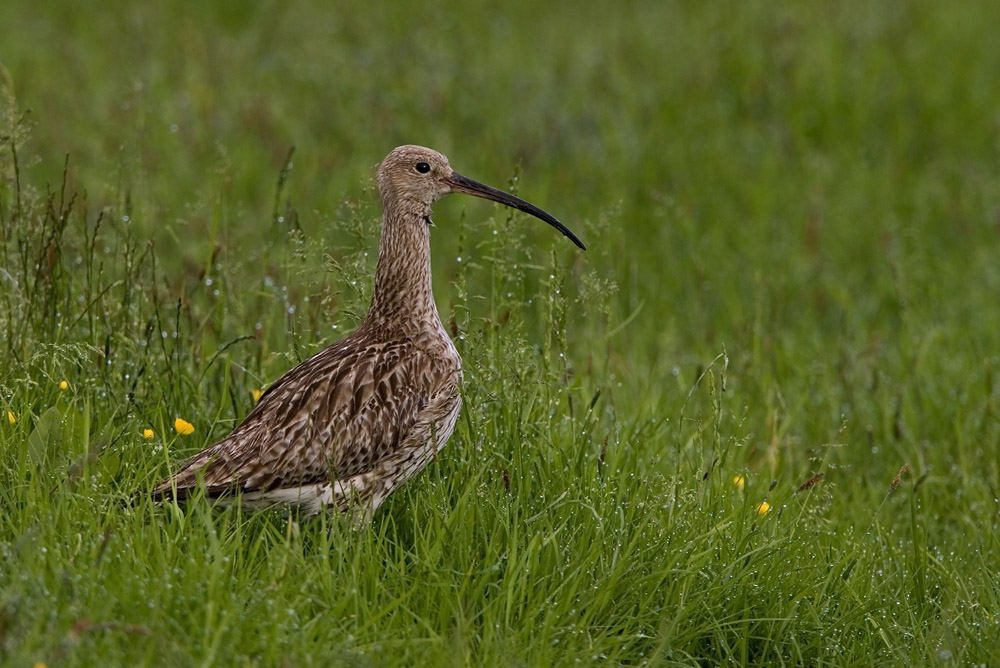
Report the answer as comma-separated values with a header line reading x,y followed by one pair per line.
x,y
793,220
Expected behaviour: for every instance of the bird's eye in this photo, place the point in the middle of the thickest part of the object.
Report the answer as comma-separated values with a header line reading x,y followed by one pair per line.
x,y
423,167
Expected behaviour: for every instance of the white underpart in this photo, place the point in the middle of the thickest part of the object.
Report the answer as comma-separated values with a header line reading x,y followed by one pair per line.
x,y
311,498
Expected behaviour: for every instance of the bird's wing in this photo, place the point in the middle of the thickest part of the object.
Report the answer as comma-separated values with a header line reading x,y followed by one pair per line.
x,y
332,417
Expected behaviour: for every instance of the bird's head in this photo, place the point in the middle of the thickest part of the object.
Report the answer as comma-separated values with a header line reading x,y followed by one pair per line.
x,y
414,174
414,177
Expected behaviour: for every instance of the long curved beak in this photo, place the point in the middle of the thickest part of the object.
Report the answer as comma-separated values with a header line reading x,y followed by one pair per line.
x,y
463,184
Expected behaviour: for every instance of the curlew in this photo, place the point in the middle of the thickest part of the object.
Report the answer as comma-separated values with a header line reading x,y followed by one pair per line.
x,y
346,427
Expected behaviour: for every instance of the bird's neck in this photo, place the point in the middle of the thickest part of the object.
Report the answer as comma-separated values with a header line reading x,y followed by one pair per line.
x,y
403,300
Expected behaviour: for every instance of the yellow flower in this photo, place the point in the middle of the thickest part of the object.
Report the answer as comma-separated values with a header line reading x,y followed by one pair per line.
x,y
39,664
764,508
148,434
63,384
11,418
183,427
739,481
256,394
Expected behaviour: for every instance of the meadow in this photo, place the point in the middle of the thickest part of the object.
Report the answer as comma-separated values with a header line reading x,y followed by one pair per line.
x,y
757,422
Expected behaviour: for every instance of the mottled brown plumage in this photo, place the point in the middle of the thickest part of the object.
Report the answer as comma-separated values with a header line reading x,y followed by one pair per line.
x,y
350,424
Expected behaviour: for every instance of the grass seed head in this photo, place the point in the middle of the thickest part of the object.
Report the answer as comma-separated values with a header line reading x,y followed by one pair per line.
x,y
895,481
808,484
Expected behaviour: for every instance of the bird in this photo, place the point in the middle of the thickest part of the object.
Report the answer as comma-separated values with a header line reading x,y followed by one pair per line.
x,y
345,428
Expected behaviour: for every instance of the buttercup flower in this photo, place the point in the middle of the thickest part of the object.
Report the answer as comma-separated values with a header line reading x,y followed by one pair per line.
x,y
63,384
764,508
739,481
148,434
11,418
256,394
183,427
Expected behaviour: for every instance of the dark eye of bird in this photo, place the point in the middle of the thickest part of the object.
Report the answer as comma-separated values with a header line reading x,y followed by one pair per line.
x,y
423,167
